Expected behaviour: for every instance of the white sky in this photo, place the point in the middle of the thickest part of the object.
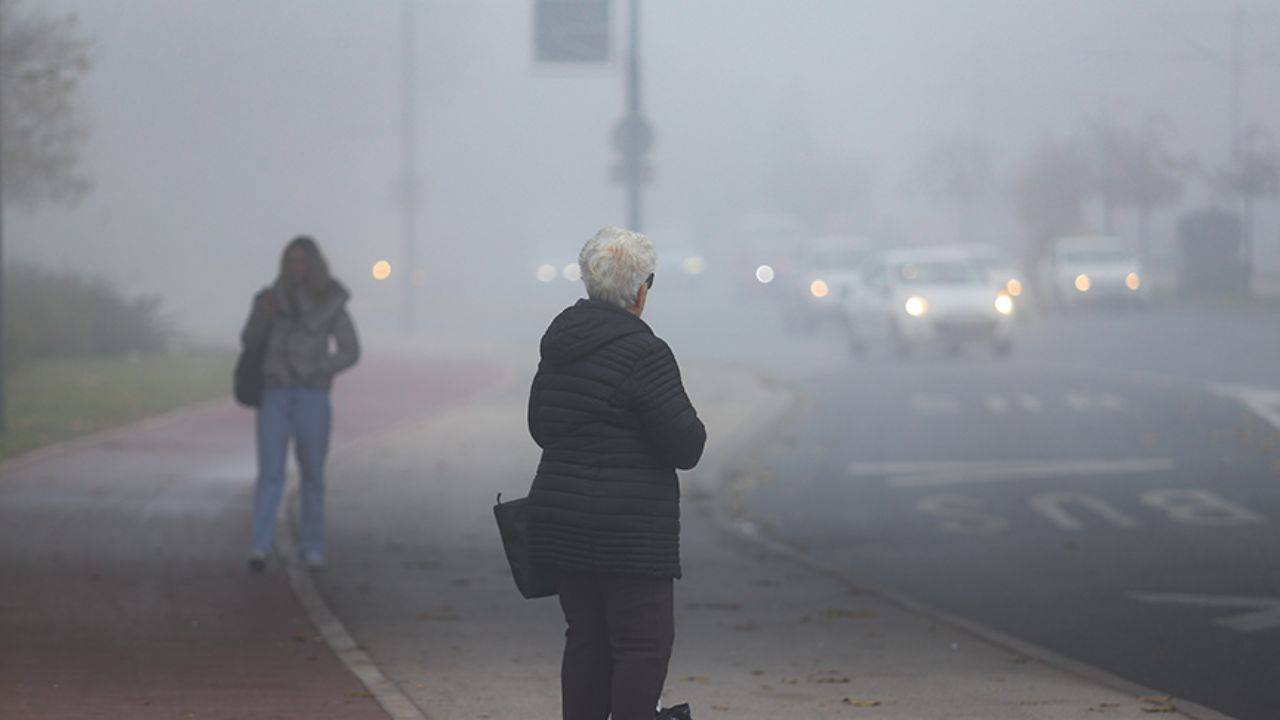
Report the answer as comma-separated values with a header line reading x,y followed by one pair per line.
x,y
223,127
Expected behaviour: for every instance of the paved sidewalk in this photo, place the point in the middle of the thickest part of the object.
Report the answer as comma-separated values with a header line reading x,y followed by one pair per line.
x,y
123,590
418,576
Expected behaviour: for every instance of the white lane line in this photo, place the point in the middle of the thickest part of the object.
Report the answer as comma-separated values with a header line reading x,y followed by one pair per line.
x,y
1264,402
938,474
995,404
935,404
1030,403
1264,615
397,705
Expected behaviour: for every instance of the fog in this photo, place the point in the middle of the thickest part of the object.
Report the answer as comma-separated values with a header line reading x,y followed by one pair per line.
x,y
220,129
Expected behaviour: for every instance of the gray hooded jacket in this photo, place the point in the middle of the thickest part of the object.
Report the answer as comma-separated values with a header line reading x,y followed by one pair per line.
x,y
299,352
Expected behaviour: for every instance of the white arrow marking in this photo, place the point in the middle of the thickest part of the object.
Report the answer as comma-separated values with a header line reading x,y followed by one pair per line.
x,y
1265,613
1265,403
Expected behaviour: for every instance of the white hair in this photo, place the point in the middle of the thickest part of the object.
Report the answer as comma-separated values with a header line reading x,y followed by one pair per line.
x,y
615,263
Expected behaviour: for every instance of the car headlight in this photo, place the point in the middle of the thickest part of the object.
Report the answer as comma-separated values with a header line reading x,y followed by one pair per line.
x,y
1132,281
1083,283
1013,287
1004,304
916,306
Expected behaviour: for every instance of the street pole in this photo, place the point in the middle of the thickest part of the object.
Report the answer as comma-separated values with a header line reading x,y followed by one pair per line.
x,y
4,415
634,176
408,169
633,137
1245,202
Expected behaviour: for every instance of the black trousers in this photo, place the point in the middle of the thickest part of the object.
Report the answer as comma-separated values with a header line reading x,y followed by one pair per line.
x,y
617,644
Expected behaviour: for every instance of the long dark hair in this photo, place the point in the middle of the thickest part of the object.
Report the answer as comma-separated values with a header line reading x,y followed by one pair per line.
x,y
317,281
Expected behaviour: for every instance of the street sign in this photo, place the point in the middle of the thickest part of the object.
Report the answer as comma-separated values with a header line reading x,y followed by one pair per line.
x,y
571,31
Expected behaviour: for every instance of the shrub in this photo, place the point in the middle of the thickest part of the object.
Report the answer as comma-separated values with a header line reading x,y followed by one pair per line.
x,y
50,314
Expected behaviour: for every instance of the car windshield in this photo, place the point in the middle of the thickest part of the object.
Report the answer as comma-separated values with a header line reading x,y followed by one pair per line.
x,y
1101,255
939,273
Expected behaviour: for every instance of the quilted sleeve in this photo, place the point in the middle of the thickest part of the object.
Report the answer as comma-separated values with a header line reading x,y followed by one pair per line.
x,y
670,421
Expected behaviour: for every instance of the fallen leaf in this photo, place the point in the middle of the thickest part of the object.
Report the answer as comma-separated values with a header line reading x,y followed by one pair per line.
x,y
720,708
833,613
440,612
858,702
361,693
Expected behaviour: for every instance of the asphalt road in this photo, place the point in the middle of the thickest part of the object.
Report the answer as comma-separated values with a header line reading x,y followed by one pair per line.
x,y
1099,494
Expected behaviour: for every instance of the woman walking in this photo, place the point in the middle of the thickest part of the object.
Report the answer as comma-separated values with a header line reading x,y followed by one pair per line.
x,y
298,316
610,412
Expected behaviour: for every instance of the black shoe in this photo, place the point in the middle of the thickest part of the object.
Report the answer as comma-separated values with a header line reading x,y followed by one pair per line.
x,y
675,712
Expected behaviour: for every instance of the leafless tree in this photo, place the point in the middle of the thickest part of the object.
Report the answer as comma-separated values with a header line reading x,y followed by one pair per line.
x,y
42,61
1049,194
1136,169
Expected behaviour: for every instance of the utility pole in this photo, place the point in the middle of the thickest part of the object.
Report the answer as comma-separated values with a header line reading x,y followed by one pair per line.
x,y
633,136
4,407
408,168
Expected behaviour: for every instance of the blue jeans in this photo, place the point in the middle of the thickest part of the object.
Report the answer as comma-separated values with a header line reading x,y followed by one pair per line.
x,y
304,414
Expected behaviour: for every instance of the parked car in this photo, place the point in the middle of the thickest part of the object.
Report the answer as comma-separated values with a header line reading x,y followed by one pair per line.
x,y
907,299
1091,269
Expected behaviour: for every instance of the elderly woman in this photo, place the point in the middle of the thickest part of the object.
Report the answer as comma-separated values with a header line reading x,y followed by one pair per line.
x,y
609,410
309,338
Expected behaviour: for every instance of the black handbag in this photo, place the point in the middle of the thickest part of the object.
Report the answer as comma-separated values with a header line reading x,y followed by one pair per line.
x,y
513,525
248,382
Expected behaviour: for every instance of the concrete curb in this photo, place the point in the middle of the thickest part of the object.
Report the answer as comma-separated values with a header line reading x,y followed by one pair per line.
x,y
339,640
744,529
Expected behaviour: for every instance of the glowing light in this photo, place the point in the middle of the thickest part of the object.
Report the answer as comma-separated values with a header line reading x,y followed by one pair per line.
x,y
545,273
1083,283
1132,281
764,274
1004,304
1013,287
381,270
693,265
916,306
819,289
572,272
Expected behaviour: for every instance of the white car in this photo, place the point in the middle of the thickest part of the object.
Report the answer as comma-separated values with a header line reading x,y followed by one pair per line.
x,y
1094,268
907,299
1002,271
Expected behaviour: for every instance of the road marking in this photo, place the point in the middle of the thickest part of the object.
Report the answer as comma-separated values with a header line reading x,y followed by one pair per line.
x,y
1264,402
1085,402
937,474
935,404
961,514
1199,507
996,404
1265,613
1051,505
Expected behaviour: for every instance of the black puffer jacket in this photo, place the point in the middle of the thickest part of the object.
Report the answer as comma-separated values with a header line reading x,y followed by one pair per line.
x,y
614,422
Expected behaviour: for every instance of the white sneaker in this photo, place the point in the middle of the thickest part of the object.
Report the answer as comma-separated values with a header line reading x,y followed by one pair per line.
x,y
257,561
